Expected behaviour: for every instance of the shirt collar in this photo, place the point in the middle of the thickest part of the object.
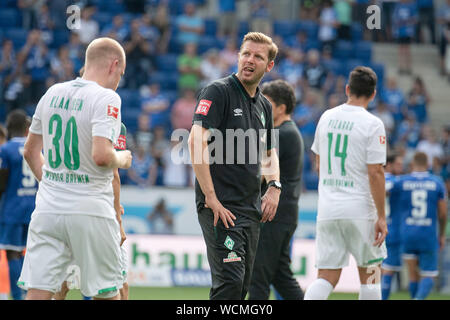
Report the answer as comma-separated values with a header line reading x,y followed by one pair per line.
x,y
242,89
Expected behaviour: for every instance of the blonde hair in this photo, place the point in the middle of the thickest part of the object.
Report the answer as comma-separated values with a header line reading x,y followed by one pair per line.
x,y
259,37
101,50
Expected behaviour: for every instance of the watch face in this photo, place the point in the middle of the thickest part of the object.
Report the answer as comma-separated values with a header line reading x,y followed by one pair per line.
x,y
277,184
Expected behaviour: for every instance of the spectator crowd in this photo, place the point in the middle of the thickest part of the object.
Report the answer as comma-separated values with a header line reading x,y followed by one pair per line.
x,y
173,50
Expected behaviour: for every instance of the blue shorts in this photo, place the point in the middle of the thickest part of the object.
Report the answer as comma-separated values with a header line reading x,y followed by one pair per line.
x,y
13,236
428,261
393,262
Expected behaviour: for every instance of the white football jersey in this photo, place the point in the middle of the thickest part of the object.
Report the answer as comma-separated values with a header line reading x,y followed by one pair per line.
x,y
67,117
347,139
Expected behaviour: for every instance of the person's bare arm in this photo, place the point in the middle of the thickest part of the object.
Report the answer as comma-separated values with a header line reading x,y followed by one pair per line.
x,y
117,207
32,153
442,214
104,154
198,142
378,191
271,171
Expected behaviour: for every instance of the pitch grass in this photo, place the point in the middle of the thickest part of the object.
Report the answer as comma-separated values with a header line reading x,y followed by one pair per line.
x,y
195,293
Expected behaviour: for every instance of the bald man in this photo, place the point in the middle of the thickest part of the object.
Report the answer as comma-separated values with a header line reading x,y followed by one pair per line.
x,y
73,230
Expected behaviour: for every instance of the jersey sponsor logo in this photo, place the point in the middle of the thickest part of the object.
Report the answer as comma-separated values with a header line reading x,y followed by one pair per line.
x,y
382,139
113,111
121,143
229,243
232,257
203,107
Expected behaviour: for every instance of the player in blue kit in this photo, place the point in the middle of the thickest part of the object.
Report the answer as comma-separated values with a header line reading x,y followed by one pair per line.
x,y
424,217
393,262
18,192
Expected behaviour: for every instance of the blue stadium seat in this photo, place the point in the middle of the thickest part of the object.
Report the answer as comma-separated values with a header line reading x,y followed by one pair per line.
x,y
103,18
130,99
112,6
312,44
176,7
210,27
10,18
130,118
60,37
310,27
127,17
172,95
199,2
343,50
357,32
173,27
335,66
18,36
243,29
167,80
351,64
174,47
363,51
167,62
205,43
379,70
284,28
8,4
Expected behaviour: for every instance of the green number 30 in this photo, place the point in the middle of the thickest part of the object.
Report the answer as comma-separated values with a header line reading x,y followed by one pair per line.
x,y
71,154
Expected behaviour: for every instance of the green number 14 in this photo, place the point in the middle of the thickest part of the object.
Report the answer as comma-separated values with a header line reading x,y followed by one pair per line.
x,y
337,153
71,153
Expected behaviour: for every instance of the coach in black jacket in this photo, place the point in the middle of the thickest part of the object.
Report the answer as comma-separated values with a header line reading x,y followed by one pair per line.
x,y
228,188
272,262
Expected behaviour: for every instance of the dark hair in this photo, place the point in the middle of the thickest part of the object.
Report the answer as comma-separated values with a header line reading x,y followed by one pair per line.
x,y
280,92
420,159
362,82
17,123
391,158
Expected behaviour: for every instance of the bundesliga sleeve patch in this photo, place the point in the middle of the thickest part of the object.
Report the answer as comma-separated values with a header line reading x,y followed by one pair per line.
x,y
113,111
203,107
382,139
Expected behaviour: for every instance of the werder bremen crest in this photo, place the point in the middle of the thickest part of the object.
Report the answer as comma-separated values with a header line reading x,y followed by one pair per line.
x,y
263,119
229,243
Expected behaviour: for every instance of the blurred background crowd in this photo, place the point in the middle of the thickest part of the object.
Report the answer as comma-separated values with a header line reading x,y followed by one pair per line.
x,y
175,47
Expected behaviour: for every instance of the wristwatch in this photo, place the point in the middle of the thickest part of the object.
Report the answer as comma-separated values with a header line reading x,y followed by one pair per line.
x,y
275,184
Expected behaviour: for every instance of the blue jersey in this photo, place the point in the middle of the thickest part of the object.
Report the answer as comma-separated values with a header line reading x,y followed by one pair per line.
x,y
393,214
419,194
18,200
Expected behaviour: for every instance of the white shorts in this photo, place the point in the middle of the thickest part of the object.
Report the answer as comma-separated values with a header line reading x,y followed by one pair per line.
x,y
123,270
336,239
123,263
85,248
